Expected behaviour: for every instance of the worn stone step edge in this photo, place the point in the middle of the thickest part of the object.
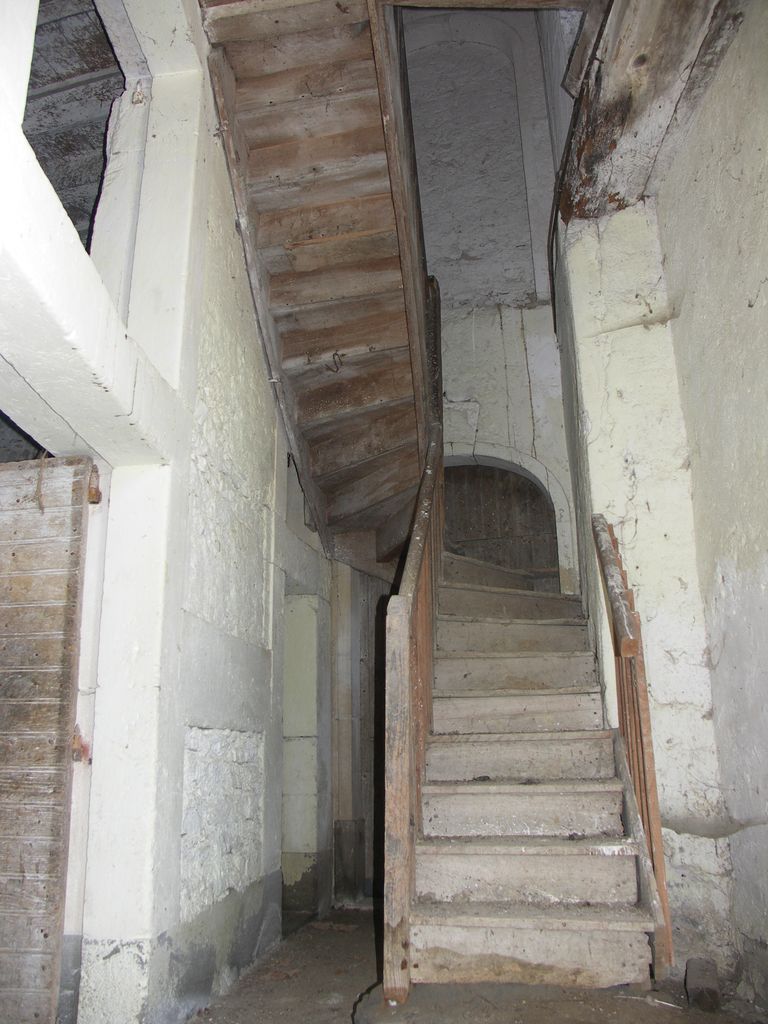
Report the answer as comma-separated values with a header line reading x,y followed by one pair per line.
x,y
496,621
521,737
525,846
525,915
551,691
512,655
563,787
534,595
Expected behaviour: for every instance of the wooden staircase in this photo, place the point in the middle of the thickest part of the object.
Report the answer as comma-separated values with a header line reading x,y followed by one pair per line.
x,y
526,868
296,88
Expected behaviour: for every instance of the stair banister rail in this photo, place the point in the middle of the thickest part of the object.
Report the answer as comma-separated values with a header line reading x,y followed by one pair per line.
x,y
635,718
409,675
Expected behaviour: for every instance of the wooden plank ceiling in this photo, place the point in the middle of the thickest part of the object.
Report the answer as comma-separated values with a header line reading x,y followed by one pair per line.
x,y
296,88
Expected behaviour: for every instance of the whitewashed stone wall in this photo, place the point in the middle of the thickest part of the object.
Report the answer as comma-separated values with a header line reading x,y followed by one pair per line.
x,y
631,456
154,364
221,817
713,224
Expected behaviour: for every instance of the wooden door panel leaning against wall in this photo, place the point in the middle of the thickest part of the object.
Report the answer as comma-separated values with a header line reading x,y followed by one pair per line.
x,y
43,516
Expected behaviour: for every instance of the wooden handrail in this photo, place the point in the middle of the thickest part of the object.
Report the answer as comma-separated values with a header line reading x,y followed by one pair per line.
x,y
635,720
409,676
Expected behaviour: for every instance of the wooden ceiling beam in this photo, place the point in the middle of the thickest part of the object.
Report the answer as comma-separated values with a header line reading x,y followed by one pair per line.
x,y
241,20
302,350
308,223
303,83
360,248
360,438
379,479
288,291
306,162
372,517
647,53
379,383
339,43
314,118
223,83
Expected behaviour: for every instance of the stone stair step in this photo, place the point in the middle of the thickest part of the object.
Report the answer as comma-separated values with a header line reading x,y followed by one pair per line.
x,y
455,634
471,601
531,670
539,871
521,757
486,942
578,809
516,711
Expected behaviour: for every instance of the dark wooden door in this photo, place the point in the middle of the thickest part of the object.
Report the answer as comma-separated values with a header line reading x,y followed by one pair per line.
x,y
43,516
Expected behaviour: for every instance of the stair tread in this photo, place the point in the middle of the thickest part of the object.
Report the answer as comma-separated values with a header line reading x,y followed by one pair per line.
x,y
513,655
530,788
550,691
568,620
520,737
534,595
524,915
512,846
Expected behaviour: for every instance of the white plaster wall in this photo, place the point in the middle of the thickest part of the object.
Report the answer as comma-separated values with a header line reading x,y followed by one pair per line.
x,y
631,462
503,405
713,224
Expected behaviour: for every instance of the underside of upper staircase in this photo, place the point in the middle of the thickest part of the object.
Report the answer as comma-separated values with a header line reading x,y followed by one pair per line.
x,y
298,100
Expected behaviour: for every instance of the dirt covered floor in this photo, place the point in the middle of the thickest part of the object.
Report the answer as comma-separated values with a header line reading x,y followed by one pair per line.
x,y
327,973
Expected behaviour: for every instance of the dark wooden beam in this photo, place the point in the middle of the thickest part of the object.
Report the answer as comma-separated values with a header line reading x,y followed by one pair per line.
x,y
645,58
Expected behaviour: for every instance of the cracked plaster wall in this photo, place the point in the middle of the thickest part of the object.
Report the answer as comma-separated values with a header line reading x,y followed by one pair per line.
x,y
713,223
631,461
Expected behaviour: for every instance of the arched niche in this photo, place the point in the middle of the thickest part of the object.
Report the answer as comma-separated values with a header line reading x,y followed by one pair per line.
x,y
505,518
510,459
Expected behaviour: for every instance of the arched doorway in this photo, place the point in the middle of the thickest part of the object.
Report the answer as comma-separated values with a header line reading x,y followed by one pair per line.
x,y
504,518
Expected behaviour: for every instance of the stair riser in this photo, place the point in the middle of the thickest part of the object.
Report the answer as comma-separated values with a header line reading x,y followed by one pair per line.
x,y
477,604
454,571
518,814
546,713
458,635
534,672
539,879
588,959
523,760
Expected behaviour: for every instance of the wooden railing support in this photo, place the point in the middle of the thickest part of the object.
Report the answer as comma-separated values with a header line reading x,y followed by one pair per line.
x,y
635,719
409,675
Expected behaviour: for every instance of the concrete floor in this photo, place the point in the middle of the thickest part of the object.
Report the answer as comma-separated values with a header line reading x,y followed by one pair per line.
x,y
327,972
